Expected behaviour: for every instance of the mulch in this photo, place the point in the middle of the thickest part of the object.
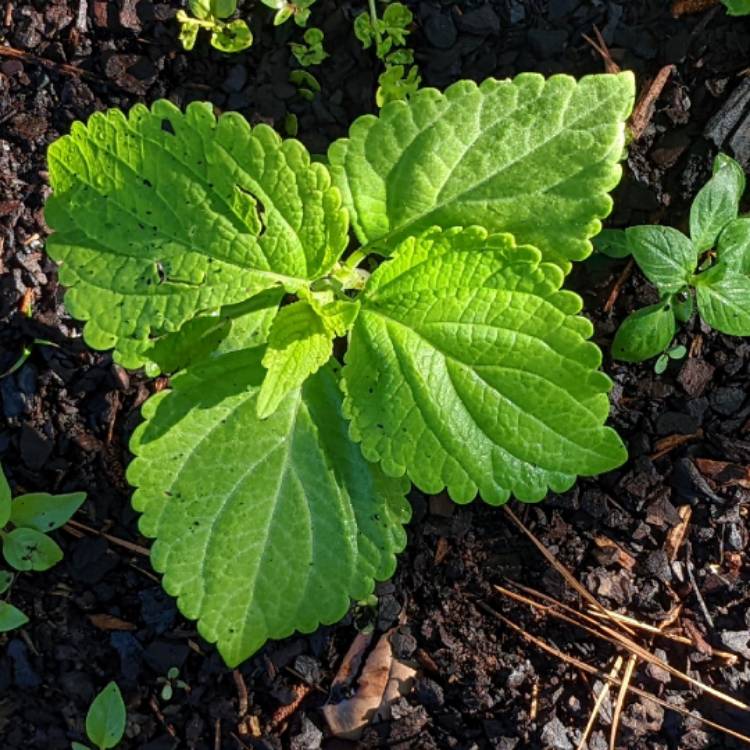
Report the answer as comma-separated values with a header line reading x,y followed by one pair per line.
x,y
67,412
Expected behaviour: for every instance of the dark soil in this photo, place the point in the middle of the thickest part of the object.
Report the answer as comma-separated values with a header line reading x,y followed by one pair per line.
x,y
66,414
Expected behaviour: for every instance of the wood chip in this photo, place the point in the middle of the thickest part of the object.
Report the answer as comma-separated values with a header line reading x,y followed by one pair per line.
x,y
676,535
110,622
620,555
725,474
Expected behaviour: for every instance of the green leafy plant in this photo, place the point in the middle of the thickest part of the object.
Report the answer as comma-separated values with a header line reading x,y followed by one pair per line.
x,y
676,353
272,478
226,36
737,7
710,269
171,682
25,523
299,11
311,52
105,720
400,79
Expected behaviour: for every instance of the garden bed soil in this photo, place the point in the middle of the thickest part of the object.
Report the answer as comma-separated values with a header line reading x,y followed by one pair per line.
x,y
67,413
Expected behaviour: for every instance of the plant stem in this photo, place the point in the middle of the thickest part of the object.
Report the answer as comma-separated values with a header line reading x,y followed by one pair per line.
x,y
375,28
355,258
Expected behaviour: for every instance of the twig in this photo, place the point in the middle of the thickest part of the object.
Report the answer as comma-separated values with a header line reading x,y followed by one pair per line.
x,y
281,714
160,716
626,677
644,109
242,700
217,735
603,693
618,285
600,630
67,69
76,525
694,584
560,568
669,443
584,667
601,47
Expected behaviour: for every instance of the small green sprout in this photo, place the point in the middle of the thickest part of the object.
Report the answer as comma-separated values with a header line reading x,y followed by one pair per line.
x,y
388,36
170,682
306,83
676,352
24,525
226,36
311,52
299,11
710,269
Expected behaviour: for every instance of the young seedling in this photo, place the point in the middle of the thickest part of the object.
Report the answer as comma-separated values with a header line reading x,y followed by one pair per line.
x,y
299,11
710,269
226,36
388,35
170,682
311,52
676,352
105,721
273,478
306,83
24,525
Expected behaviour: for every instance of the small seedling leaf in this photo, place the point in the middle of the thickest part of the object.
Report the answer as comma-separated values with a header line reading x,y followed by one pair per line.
x,y
232,37
45,512
11,617
6,579
5,507
28,549
612,242
105,721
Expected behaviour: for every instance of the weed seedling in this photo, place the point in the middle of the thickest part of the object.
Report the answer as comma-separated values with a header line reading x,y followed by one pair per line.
x,y
105,721
212,15
709,270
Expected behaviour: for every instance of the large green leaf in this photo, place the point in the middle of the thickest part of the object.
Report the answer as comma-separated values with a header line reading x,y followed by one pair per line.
x,y
160,216
262,526
467,368
528,156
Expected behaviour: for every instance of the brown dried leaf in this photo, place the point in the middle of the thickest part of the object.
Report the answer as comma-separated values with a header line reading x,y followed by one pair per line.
x,y
110,622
